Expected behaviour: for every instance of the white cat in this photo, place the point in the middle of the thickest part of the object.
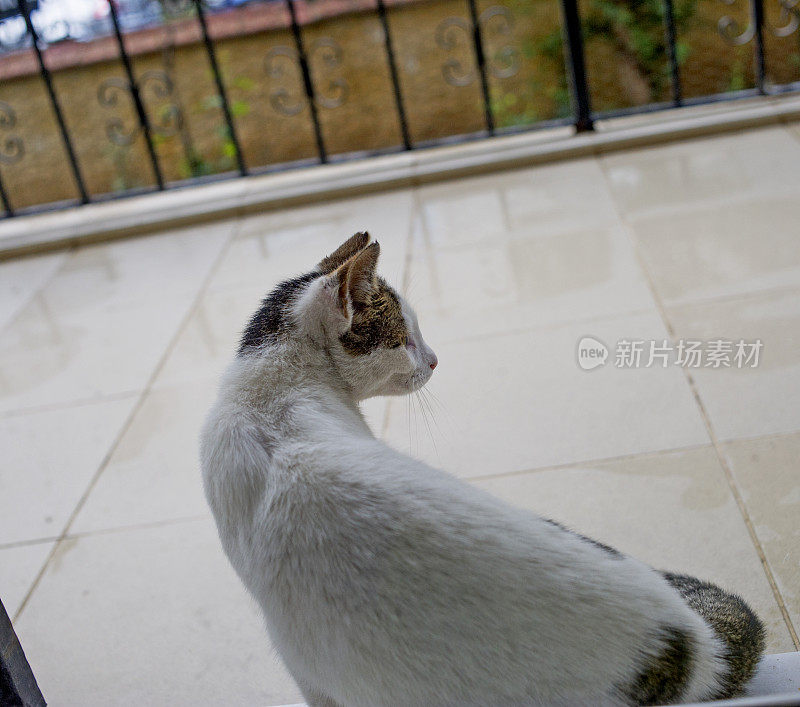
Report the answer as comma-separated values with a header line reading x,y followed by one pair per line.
x,y
384,581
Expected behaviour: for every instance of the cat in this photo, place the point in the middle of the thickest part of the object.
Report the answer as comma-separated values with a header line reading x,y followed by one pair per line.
x,y
384,581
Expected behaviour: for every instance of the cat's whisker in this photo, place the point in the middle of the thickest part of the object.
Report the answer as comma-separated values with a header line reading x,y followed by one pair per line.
x,y
425,397
427,425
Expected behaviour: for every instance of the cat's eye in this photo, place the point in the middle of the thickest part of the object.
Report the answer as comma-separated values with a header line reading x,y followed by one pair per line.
x,y
400,343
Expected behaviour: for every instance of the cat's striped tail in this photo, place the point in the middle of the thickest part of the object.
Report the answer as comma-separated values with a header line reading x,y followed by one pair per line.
x,y
733,621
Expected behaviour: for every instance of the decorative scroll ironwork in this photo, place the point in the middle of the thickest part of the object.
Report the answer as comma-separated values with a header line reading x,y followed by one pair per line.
x,y
504,63
170,118
730,29
12,148
789,16
324,52
280,99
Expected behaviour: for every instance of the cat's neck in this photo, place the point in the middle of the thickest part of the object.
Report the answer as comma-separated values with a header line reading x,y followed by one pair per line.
x,y
265,381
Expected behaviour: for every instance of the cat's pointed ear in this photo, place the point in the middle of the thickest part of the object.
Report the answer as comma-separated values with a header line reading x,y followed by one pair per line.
x,y
357,279
344,252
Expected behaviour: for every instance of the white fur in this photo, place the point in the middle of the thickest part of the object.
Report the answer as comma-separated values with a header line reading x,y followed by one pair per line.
x,y
384,581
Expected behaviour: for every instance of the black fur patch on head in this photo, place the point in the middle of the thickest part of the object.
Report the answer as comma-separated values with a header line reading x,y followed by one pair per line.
x,y
272,318
733,621
378,323
605,548
664,678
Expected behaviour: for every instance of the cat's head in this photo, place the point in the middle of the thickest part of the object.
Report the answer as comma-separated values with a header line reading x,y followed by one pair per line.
x,y
365,328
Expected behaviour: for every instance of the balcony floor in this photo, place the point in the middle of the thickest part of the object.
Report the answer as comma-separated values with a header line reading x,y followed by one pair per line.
x,y
109,560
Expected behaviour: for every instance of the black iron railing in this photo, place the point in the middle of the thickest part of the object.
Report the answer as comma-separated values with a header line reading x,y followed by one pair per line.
x,y
486,66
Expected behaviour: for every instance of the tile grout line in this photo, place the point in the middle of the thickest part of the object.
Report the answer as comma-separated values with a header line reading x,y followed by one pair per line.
x,y
721,456
129,421
65,254
733,297
587,462
76,402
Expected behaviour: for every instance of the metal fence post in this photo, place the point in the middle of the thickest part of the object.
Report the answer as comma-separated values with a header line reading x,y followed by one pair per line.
x,y
307,83
223,96
48,82
480,58
4,199
576,65
670,39
137,98
757,13
398,95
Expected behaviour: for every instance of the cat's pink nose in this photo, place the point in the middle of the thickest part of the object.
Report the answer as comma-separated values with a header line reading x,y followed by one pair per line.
x,y
434,363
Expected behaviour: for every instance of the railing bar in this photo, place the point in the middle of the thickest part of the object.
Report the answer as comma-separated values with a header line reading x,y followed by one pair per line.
x,y
4,199
576,65
48,82
307,84
226,110
480,57
672,53
137,99
398,95
757,10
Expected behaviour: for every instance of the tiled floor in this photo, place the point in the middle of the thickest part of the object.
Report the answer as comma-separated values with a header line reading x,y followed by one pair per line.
x,y
109,357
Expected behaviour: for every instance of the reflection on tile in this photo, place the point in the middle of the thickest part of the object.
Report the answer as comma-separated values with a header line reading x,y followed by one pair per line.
x,y
21,278
150,617
520,401
673,510
46,359
19,566
747,402
716,251
49,458
515,282
132,271
278,245
544,200
689,172
154,473
767,472
102,323
208,342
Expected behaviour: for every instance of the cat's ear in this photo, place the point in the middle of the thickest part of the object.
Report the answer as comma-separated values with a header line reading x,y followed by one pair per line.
x,y
357,279
344,252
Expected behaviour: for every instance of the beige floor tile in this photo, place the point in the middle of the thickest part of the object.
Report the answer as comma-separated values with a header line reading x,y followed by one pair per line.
x,y
747,402
208,342
46,359
672,510
154,473
128,272
714,251
274,246
21,278
516,281
520,401
102,323
48,459
149,617
19,566
546,200
722,169
767,472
